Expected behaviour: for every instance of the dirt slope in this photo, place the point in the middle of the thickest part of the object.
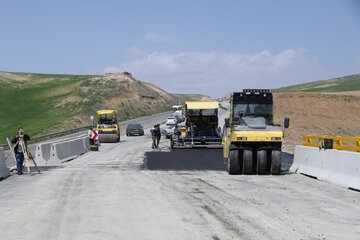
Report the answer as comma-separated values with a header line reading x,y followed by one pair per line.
x,y
318,114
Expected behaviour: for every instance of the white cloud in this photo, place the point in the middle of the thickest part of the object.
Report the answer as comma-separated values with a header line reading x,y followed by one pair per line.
x,y
217,74
157,38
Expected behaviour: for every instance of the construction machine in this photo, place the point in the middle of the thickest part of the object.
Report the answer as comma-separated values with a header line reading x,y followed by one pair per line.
x,y
199,128
108,126
251,141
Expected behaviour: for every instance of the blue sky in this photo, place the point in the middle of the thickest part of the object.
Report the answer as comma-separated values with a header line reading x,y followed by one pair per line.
x,y
203,46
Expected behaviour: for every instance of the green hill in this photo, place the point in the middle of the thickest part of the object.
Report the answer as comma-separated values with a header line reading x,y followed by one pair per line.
x,y
347,83
44,103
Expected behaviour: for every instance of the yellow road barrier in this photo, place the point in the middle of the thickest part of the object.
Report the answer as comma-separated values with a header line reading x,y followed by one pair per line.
x,y
340,143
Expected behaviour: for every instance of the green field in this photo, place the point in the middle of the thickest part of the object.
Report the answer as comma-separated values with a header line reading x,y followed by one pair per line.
x,y
31,104
347,83
46,103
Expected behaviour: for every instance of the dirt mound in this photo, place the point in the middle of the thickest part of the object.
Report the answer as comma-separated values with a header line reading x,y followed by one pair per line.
x,y
129,96
113,78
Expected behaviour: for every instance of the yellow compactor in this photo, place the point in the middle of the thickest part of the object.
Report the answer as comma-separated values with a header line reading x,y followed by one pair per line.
x,y
251,140
108,126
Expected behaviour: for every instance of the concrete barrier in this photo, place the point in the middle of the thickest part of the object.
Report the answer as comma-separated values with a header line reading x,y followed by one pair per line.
x,y
54,153
86,144
4,171
68,150
42,153
335,166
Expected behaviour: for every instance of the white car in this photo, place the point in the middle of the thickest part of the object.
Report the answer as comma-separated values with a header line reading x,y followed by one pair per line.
x,y
171,120
168,130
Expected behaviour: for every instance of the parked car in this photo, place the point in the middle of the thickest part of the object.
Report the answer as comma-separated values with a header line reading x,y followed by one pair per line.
x,y
134,129
172,120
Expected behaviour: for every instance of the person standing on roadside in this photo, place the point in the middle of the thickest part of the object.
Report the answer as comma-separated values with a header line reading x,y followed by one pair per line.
x,y
153,137
90,135
19,152
158,135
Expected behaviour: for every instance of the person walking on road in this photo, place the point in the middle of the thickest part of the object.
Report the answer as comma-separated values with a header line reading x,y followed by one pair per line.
x,y
157,134
19,152
153,137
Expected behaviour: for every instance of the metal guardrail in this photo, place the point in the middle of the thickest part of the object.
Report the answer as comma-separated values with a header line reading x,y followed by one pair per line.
x,y
53,135
339,143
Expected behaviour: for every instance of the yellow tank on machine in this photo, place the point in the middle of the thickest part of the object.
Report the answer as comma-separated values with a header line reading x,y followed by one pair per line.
x,y
251,141
108,126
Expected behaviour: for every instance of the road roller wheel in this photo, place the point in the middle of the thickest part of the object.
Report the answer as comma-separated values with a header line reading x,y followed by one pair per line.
x,y
248,162
275,162
261,161
233,162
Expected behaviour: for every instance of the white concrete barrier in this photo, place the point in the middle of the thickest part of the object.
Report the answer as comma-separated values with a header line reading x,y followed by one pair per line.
x,y
4,171
86,144
54,153
42,153
335,166
65,151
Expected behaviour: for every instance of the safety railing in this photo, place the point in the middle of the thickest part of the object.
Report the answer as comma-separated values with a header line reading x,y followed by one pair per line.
x,y
338,142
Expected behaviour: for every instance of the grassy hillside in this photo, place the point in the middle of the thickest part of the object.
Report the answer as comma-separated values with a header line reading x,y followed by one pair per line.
x,y
347,83
44,103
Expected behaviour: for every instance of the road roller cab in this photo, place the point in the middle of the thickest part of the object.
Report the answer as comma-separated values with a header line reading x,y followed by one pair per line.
x,y
251,141
108,126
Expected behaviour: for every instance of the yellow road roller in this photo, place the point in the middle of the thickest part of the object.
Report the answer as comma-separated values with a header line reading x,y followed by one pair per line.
x,y
108,126
252,141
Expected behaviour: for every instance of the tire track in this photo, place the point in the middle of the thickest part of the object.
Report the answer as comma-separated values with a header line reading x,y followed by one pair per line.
x,y
242,218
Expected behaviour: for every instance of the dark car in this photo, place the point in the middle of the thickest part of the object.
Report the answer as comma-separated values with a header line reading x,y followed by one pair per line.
x,y
134,129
